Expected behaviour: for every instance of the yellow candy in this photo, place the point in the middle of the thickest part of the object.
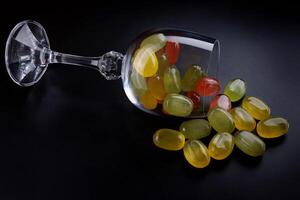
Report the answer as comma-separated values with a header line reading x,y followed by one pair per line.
x,y
196,153
221,146
272,127
256,108
148,101
156,87
242,119
145,62
169,139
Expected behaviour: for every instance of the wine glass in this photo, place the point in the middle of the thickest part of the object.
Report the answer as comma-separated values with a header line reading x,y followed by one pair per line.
x,y
159,70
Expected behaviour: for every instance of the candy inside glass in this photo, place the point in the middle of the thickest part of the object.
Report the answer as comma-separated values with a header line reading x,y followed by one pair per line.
x,y
159,70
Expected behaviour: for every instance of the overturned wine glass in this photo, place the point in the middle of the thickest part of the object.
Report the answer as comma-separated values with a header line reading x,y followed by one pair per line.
x,y
165,72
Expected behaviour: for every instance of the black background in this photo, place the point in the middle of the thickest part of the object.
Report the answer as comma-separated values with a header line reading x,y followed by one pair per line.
x,y
75,135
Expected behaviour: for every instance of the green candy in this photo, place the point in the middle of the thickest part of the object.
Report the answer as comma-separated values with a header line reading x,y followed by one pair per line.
x,y
249,143
195,129
221,120
178,105
190,77
172,81
156,41
235,89
139,83
163,63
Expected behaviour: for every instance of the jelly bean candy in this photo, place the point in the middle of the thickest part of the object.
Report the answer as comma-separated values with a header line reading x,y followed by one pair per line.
x,y
220,101
272,127
249,143
178,105
145,62
207,86
221,146
163,63
139,83
169,139
172,80
195,129
156,87
235,89
196,153
192,74
221,120
256,108
148,101
195,98
242,119
164,112
157,41
172,51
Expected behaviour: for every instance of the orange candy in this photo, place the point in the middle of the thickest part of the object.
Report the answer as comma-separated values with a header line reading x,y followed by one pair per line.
x,y
148,101
156,87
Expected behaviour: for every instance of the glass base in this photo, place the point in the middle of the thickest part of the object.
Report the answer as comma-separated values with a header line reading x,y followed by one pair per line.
x,y
25,53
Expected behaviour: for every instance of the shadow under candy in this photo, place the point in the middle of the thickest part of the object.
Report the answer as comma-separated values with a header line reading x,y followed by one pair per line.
x,y
271,143
198,173
246,160
237,103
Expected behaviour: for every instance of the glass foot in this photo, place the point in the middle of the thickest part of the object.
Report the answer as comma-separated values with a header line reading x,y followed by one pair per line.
x,y
25,52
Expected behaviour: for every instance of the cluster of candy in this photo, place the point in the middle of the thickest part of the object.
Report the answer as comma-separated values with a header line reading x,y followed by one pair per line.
x,y
156,79
224,121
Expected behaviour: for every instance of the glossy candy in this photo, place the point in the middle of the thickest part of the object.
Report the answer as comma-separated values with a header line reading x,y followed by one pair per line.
x,y
242,119
196,153
169,139
221,101
172,80
249,143
156,87
172,51
221,146
163,63
178,105
195,128
207,86
148,101
156,41
145,62
256,108
195,98
139,83
192,74
272,127
235,89
221,120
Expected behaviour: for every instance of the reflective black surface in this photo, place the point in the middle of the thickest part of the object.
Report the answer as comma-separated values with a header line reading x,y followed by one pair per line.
x,y
76,136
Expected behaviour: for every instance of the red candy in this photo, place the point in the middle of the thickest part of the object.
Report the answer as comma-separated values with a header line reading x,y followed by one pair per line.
x,y
194,97
207,86
172,51
221,101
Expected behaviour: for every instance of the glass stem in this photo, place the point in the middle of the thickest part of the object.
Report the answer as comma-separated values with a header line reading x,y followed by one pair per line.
x,y
109,64
90,62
